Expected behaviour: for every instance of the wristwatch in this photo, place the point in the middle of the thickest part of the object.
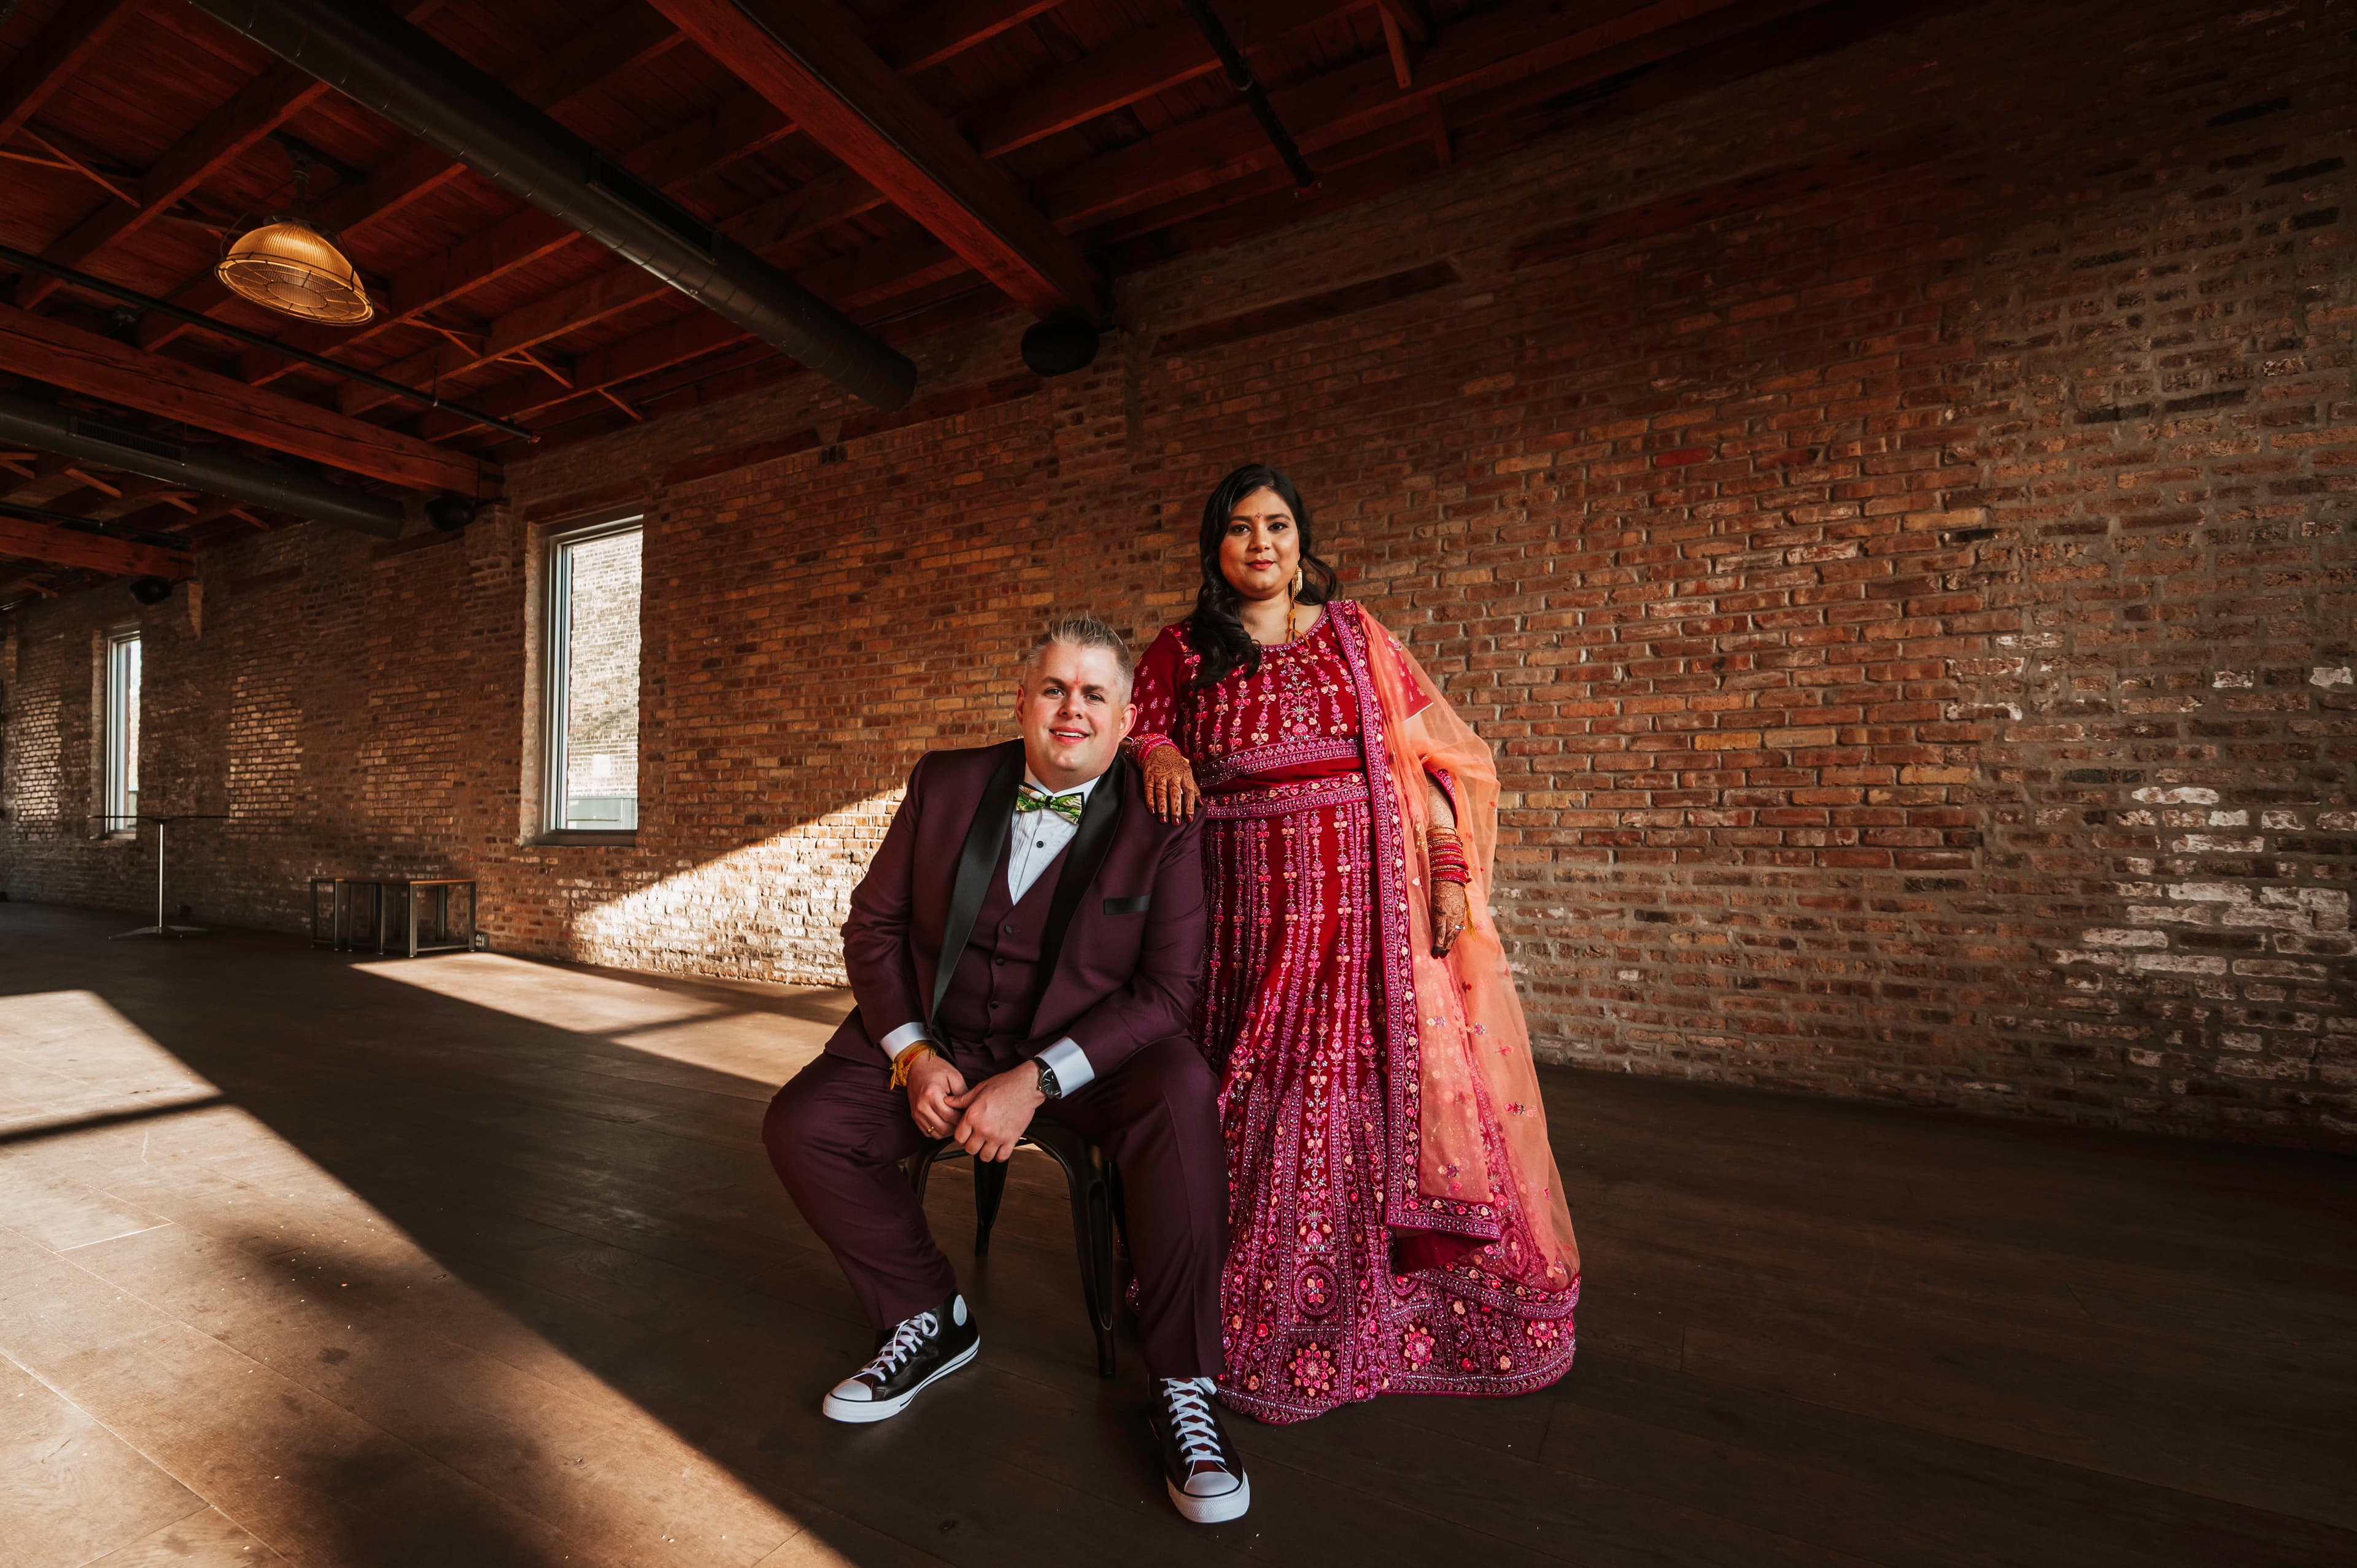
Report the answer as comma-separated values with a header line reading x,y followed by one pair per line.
x,y
1048,1084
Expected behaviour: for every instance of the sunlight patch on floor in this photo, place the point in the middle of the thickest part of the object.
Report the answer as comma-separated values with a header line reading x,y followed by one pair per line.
x,y
225,1332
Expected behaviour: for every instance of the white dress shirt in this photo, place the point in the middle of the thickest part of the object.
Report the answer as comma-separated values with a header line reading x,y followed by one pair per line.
x,y
1038,837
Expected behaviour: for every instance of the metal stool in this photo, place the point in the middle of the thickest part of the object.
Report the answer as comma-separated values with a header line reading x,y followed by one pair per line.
x,y
1095,1187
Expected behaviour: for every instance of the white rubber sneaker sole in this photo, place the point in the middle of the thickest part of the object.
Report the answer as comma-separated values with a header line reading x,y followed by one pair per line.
x,y
1212,1510
856,1412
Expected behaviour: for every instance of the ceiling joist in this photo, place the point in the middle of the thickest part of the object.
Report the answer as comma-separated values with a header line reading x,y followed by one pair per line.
x,y
67,357
804,57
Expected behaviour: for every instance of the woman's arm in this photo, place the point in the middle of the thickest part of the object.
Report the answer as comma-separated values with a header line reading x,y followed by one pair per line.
x,y
1168,777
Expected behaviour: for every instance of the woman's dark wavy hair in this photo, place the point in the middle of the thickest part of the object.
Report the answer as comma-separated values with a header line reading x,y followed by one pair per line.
x,y
1219,636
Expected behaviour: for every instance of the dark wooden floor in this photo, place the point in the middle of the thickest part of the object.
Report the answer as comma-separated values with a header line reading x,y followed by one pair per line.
x,y
466,1259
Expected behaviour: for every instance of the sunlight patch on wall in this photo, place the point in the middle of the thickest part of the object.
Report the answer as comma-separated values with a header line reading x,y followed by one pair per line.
x,y
771,910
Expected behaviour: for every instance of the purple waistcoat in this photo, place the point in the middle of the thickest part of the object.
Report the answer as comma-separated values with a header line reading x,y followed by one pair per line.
x,y
996,987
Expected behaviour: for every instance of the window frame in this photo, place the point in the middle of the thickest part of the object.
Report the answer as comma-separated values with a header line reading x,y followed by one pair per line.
x,y
117,791
556,637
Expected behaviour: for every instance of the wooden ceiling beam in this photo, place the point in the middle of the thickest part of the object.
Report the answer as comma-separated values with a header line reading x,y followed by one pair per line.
x,y
593,58
768,229
1487,50
1127,70
262,105
804,57
50,60
62,356
852,282
947,29
55,545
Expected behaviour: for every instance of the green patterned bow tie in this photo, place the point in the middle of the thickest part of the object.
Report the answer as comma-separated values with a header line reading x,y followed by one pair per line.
x,y
1034,798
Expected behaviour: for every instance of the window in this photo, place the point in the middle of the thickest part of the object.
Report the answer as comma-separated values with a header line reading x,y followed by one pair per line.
x,y
121,807
592,742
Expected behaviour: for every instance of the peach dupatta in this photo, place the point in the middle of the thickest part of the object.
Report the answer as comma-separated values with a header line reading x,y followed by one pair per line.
x,y
1484,1189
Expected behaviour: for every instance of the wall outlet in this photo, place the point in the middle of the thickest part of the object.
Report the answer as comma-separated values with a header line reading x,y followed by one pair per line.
x,y
482,942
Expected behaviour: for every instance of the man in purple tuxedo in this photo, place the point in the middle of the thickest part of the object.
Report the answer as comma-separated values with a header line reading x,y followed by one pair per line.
x,y
1028,942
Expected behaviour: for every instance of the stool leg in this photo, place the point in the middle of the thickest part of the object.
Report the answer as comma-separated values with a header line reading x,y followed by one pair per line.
x,y
920,1167
989,1191
1092,1239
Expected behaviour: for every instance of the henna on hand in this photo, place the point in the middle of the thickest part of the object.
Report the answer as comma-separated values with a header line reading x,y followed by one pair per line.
x,y
1449,913
1170,784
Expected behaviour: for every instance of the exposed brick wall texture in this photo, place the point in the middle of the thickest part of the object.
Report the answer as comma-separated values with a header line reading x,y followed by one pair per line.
x,y
1911,597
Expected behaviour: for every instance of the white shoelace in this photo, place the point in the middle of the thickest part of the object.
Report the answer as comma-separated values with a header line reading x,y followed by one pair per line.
x,y
913,1332
1190,1419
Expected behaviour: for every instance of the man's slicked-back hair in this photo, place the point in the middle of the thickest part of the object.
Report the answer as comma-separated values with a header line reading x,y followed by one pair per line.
x,y
1084,631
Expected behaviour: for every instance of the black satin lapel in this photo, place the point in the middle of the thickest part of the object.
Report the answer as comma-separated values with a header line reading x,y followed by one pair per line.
x,y
1089,845
993,821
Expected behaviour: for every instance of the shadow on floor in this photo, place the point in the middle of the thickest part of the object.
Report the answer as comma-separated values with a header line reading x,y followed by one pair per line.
x,y
580,1323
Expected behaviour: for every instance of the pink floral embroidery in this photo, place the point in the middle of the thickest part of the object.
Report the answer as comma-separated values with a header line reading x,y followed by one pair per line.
x,y
1308,1014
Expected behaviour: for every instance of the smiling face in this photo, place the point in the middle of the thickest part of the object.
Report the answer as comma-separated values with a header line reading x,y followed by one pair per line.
x,y
1262,547
1073,709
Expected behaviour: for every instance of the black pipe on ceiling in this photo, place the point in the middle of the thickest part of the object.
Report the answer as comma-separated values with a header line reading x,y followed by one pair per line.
x,y
385,65
48,427
1241,78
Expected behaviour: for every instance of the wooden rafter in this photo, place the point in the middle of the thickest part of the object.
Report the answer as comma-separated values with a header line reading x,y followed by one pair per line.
x,y
947,29
50,60
266,102
593,58
60,546
767,228
64,356
804,57
1490,49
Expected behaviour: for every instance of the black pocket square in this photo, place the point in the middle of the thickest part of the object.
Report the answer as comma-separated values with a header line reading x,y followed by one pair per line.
x,y
1136,906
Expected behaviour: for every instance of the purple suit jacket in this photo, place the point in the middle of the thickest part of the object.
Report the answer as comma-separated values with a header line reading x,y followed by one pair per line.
x,y
1132,960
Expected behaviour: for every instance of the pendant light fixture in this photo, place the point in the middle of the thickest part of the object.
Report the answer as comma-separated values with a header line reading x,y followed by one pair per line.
x,y
290,266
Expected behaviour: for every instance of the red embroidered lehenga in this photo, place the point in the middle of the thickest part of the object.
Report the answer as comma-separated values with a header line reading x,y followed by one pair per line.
x,y
1396,1224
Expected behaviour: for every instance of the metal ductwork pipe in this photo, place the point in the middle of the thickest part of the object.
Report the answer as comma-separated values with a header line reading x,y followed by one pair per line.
x,y
51,428
382,63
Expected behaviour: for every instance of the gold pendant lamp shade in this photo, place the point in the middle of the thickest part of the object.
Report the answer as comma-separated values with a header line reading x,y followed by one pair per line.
x,y
292,268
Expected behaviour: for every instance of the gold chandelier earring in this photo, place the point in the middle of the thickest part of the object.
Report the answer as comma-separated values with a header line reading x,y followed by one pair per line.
x,y
1292,593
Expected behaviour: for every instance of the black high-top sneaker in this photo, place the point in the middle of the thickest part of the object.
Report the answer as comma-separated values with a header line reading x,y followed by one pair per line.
x,y
920,1351
1201,1467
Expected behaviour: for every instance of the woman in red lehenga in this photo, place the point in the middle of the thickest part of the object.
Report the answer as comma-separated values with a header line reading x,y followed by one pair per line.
x,y
1396,1224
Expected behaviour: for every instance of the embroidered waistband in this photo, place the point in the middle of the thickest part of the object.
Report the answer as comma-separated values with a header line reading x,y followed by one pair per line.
x,y
1279,800
1288,753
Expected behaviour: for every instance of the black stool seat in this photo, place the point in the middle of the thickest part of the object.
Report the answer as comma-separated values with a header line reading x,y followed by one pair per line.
x,y
1096,1194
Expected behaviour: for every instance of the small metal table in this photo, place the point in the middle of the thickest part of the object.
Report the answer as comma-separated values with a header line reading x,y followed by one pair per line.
x,y
404,897
161,818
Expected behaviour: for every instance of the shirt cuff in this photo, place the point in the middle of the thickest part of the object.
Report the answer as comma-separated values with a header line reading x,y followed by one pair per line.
x,y
1070,1063
902,1038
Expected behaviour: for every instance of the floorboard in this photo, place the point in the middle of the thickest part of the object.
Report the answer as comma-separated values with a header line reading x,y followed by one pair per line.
x,y
469,1260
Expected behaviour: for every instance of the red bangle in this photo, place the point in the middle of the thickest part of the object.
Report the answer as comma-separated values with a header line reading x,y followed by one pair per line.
x,y
1142,747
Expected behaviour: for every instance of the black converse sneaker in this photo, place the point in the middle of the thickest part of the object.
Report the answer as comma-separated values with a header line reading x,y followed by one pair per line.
x,y
1201,1467
922,1350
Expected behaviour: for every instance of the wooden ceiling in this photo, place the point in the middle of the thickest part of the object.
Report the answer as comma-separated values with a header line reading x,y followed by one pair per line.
x,y
1028,150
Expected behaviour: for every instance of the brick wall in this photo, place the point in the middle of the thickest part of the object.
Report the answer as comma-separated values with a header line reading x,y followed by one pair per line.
x,y
1891,516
